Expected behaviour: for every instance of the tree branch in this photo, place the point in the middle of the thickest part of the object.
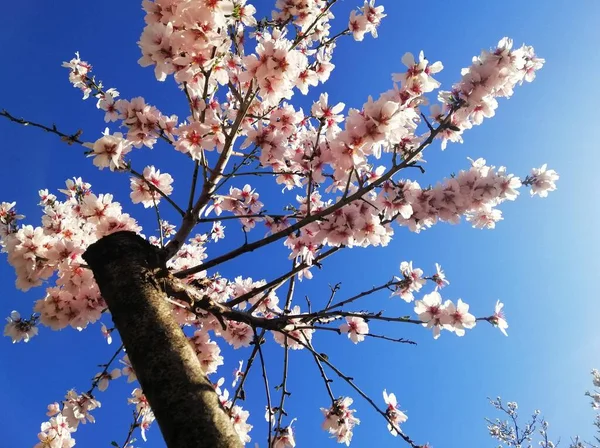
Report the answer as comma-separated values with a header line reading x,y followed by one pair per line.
x,y
316,216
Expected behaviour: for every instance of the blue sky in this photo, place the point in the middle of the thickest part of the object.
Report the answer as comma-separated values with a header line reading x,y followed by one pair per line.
x,y
541,261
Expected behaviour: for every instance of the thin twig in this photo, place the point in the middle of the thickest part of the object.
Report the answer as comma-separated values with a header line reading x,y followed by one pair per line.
x,y
104,371
249,362
135,424
258,342
279,280
351,383
326,380
387,285
75,138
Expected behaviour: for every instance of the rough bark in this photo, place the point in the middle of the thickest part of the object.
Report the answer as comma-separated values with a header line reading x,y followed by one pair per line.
x,y
184,402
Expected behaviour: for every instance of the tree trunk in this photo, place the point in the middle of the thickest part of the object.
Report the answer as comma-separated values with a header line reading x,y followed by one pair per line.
x,y
184,402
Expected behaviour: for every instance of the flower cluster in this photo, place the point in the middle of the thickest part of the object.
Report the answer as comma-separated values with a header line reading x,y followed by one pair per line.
x,y
78,74
493,74
68,228
284,437
241,202
145,191
542,180
19,329
56,433
109,150
8,221
340,420
143,411
238,415
145,123
412,281
444,316
366,21
208,351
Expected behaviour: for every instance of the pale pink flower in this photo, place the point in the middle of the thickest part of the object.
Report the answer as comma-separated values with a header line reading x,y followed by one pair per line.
x,y
106,102
53,409
340,420
285,437
431,312
439,277
412,281
106,333
418,77
193,138
239,417
142,192
147,419
394,414
108,151
358,25
356,327
542,180
19,329
104,378
127,370
304,335
485,217
77,408
237,374
498,318
459,317
218,231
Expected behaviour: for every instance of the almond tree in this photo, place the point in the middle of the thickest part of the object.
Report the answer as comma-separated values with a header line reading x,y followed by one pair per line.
x,y
351,173
512,431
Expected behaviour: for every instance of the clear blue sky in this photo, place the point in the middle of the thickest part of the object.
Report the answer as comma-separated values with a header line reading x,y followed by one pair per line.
x,y
542,260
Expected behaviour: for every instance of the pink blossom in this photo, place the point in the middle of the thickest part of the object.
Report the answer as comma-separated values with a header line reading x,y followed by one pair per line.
x,y
19,329
356,327
106,102
542,180
459,317
393,413
303,335
340,420
106,333
285,437
104,378
192,139
53,409
239,417
109,150
432,312
127,370
218,231
498,318
412,281
439,277
141,192
237,374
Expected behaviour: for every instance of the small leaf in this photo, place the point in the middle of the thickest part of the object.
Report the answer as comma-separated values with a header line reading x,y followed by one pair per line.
x,y
113,443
